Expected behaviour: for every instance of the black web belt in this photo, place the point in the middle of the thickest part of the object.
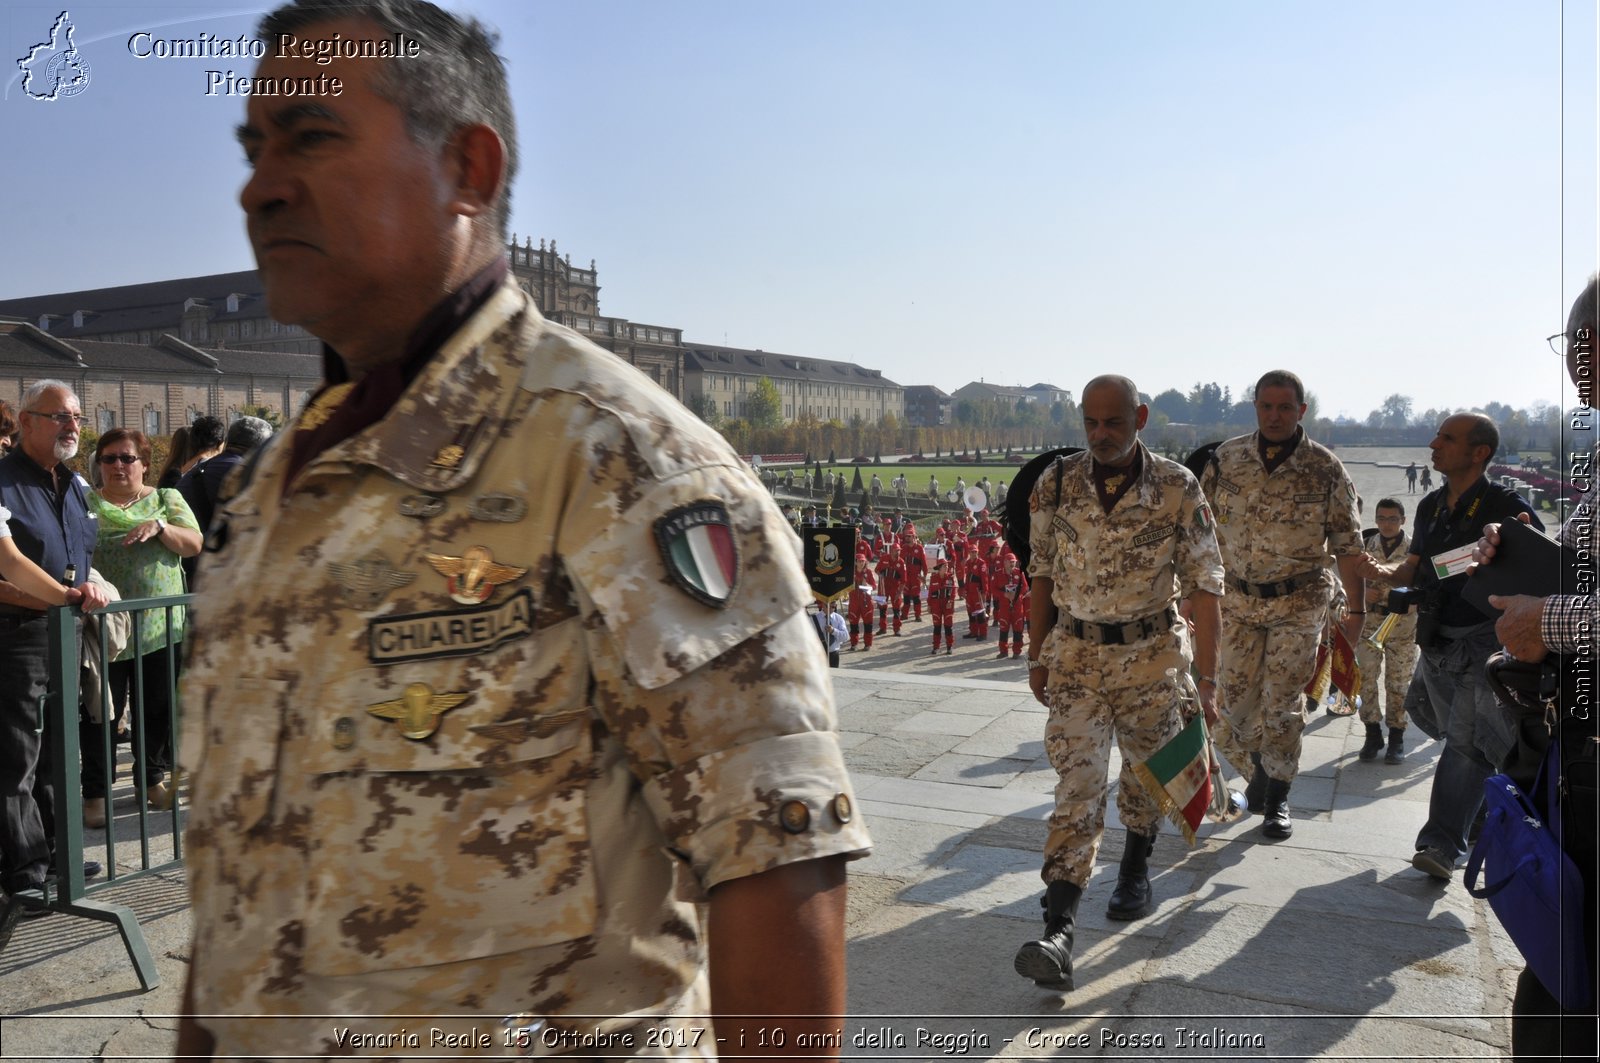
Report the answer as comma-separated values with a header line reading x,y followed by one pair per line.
x,y
1120,634
1274,590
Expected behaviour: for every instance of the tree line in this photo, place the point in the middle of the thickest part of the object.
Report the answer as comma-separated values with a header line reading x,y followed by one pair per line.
x,y
1178,420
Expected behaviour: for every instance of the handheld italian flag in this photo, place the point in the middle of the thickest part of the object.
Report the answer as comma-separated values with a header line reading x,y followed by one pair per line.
x,y
1178,776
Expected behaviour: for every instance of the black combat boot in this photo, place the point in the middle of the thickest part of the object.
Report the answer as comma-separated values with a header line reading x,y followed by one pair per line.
x,y
1048,961
1131,898
1374,744
1255,791
1397,746
1278,824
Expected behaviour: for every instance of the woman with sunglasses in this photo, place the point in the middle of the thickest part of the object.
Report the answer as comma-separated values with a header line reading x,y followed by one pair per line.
x,y
143,534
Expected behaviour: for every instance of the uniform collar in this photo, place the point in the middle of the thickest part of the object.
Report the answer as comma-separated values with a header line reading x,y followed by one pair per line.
x,y
1144,484
437,433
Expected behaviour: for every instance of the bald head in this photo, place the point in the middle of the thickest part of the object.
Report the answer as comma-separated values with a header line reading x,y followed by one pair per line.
x,y
1124,387
1112,417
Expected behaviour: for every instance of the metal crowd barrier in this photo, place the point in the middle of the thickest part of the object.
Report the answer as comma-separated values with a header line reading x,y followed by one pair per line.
x,y
69,893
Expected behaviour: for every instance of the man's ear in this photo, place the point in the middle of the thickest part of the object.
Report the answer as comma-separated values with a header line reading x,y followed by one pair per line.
x,y
480,170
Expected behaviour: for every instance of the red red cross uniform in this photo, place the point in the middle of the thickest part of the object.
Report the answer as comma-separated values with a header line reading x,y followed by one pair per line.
x,y
1011,611
942,606
861,606
975,587
916,560
891,581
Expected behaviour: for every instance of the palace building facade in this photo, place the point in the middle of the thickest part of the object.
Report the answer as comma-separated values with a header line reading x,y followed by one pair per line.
x,y
159,354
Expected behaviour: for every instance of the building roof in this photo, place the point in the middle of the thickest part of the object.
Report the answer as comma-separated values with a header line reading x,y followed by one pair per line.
x,y
709,358
141,306
24,344
925,391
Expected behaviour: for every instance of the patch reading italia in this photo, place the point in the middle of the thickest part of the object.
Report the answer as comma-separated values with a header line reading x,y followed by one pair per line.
x,y
1228,485
1059,523
1309,498
450,632
697,547
1154,534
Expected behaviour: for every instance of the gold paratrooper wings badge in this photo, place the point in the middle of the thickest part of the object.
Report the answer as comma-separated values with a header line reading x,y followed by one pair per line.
x,y
417,711
472,577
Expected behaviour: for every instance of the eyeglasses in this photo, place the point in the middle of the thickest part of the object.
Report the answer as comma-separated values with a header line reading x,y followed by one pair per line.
x,y
1583,340
59,418
112,459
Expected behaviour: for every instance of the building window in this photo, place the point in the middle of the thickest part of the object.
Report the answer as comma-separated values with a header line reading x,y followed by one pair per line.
x,y
105,419
194,414
152,421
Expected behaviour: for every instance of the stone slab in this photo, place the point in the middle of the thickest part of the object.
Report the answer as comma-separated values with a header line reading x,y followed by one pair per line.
x,y
971,771
970,975
1299,956
1013,734
944,723
874,810
904,848
963,798
899,754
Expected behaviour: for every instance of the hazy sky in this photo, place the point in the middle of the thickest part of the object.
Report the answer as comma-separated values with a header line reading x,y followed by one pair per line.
x,y
1387,196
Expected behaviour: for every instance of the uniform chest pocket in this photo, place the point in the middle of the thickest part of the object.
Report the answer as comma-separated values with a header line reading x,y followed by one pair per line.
x,y
469,841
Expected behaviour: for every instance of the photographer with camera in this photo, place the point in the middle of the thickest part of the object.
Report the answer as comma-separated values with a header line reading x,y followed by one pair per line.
x,y
1449,697
1563,626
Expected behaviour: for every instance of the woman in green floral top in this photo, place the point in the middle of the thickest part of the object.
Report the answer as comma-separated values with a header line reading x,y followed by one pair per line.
x,y
143,533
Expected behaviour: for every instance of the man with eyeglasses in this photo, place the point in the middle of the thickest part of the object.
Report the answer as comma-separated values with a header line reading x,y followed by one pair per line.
x,y
1449,696
48,518
1394,660
1531,629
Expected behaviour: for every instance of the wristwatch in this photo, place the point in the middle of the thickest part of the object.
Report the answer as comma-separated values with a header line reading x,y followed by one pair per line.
x,y
161,527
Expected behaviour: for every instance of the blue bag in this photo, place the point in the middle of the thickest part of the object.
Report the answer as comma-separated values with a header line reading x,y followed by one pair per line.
x,y
1536,892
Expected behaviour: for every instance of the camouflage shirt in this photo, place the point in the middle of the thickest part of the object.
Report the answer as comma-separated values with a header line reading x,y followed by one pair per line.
x,y
1156,545
1277,526
478,712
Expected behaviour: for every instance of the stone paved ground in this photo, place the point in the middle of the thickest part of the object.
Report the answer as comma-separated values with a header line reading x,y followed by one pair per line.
x,y
1326,946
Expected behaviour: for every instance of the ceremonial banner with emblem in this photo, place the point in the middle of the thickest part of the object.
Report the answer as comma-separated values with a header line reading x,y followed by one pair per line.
x,y
1178,776
1338,668
830,561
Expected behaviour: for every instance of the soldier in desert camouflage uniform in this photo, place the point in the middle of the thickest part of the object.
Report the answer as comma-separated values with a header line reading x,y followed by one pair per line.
x,y
507,709
1283,504
1118,535
1393,664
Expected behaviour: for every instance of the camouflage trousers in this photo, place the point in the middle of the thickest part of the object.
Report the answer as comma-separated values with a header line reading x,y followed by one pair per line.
x,y
1092,698
1269,654
1395,663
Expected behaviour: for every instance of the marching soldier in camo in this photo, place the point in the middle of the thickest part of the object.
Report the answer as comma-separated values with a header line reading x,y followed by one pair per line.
x,y
1118,535
508,709
1283,503
1387,669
